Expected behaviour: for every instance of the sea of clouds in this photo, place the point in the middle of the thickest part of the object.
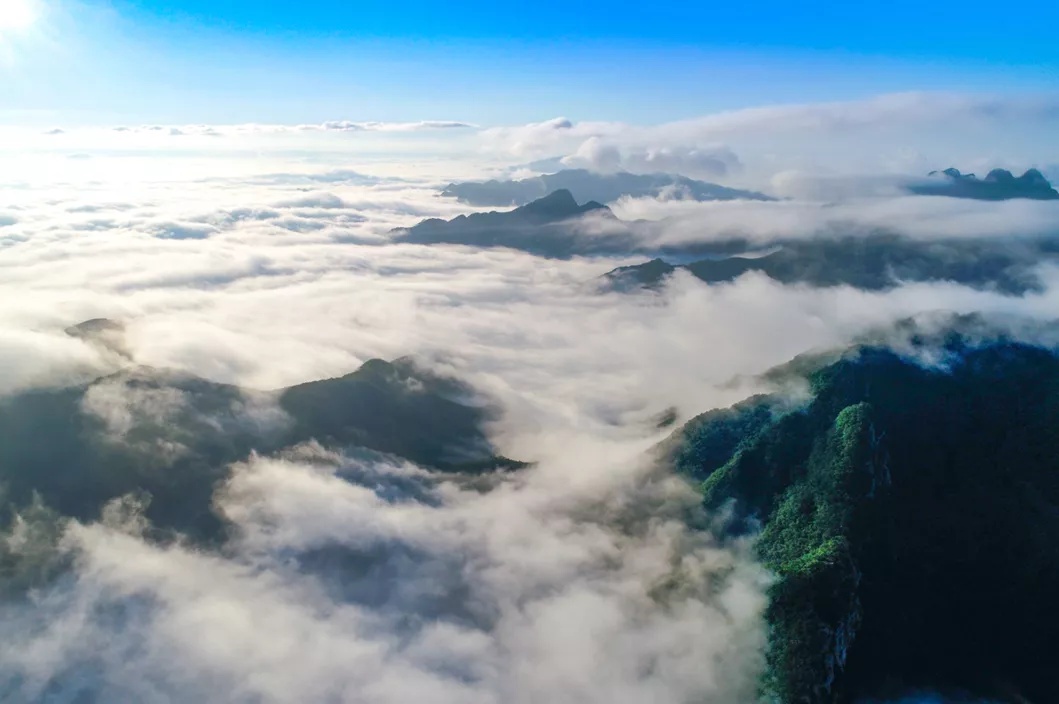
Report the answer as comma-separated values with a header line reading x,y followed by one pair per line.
x,y
352,577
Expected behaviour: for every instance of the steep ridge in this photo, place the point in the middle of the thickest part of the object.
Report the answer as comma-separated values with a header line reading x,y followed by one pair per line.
x,y
910,514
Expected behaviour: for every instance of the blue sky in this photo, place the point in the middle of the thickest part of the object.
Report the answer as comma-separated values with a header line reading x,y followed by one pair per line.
x,y
496,62
944,28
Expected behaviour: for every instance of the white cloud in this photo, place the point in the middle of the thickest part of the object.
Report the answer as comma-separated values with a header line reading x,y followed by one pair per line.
x,y
884,110
253,128
547,587
829,118
596,154
860,136
908,134
121,405
920,217
802,185
339,586
347,126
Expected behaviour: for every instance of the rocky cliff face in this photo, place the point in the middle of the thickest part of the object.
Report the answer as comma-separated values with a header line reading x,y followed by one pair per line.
x,y
907,513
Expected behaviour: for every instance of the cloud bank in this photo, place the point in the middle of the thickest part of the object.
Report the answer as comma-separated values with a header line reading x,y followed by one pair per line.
x,y
350,576
338,587
903,133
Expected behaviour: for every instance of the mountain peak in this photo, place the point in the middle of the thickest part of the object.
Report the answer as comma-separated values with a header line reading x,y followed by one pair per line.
x,y
95,326
547,226
999,176
103,333
999,184
560,203
1035,177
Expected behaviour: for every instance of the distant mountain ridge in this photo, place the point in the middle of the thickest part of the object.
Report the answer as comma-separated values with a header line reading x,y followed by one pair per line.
x,y
552,226
876,262
999,184
557,226
587,185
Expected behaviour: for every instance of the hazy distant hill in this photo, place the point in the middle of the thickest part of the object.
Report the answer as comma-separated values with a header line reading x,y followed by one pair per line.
x,y
557,226
552,226
873,263
998,184
590,186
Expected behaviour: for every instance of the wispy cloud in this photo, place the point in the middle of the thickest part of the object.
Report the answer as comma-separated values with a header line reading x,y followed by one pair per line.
x,y
253,128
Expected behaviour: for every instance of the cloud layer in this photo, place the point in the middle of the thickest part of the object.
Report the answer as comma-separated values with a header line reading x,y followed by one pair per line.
x,y
355,577
904,133
341,588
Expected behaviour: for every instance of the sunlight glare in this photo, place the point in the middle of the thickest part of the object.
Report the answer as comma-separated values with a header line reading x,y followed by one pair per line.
x,y
17,14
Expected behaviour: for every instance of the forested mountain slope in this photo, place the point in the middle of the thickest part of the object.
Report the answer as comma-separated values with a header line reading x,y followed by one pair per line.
x,y
911,515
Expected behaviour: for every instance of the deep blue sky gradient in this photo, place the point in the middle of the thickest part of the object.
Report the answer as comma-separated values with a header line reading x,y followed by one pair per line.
x,y
504,62
1016,33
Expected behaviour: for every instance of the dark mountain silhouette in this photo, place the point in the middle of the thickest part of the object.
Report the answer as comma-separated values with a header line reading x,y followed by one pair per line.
x,y
103,333
552,226
173,435
590,186
911,515
393,407
876,262
998,184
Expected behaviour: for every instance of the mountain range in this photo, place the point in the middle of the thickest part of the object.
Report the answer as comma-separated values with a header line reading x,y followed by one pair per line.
x,y
873,262
557,226
584,185
587,185
999,184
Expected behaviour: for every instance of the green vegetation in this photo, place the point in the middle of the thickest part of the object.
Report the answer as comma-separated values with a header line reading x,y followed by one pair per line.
x,y
911,516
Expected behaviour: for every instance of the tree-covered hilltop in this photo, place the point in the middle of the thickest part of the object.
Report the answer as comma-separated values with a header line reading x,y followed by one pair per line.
x,y
911,515
172,436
